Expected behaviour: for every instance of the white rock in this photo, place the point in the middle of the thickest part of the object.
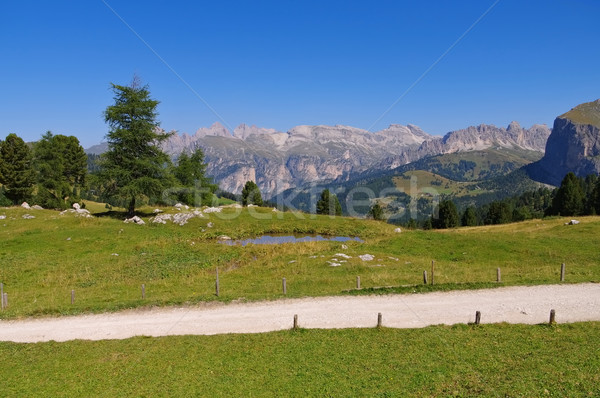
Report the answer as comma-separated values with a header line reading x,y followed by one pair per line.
x,y
69,238
161,219
28,216
274,210
178,205
157,211
398,230
366,257
115,254
344,247
25,205
2,217
37,207
135,220
333,264
573,222
210,225
224,237
212,210
342,255
76,206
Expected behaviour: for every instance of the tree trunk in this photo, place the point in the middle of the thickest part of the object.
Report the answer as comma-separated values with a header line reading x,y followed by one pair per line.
x,y
131,210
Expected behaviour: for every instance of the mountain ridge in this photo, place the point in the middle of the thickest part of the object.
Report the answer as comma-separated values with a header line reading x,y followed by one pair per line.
x,y
277,161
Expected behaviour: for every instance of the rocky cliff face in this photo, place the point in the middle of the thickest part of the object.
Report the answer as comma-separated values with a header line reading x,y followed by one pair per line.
x,y
278,161
573,146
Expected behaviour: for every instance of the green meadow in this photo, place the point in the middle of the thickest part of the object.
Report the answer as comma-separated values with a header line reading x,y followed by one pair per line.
x,y
463,361
105,261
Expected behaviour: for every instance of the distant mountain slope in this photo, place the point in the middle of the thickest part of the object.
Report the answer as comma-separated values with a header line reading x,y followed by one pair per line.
x,y
469,178
573,146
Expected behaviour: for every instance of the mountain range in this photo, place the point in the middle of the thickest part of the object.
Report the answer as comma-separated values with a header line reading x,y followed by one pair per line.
x,y
278,161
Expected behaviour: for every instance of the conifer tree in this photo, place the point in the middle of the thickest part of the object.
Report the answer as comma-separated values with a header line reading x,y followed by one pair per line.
x,y
16,170
134,167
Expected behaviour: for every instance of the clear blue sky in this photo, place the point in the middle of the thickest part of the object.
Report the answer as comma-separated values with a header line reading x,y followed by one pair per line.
x,y
279,64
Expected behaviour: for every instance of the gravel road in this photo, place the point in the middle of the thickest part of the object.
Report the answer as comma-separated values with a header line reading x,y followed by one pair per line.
x,y
528,305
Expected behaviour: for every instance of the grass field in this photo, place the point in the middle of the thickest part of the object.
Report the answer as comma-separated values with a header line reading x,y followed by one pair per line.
x,y
43,259
464,360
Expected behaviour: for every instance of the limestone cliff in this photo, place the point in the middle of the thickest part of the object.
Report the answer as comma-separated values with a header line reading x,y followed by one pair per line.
x,y
573,146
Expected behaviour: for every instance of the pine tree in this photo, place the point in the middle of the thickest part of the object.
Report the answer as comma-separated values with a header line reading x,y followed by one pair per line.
x,y
190,171
469,218
134,167
16,170
498,213
447,215
376,212
251,194
569,197
61,166
329,204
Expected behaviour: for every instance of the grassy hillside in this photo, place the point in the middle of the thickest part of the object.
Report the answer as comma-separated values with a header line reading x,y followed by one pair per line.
x,y
486,360
105,261
587,113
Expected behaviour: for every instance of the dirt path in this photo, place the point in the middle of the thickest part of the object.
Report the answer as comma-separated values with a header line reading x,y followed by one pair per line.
x,y
511,304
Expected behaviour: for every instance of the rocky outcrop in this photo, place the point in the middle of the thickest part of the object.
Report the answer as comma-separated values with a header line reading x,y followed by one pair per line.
x,y
573,146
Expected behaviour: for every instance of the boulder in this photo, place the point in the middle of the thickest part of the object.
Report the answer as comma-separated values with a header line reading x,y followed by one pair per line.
x,y
135,220
25,205
366,257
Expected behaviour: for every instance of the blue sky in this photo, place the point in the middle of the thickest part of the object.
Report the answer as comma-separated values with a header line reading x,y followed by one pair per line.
x,y
279,64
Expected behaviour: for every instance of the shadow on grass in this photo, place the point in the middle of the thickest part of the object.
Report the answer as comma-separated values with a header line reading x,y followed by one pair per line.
x,y
121,215
443,287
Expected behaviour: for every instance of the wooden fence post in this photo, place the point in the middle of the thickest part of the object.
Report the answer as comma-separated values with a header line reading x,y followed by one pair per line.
x,y
5,300
498,275
295,321
477,317
143,291
217,283
562,272
432,270
424,277
284,286
2,294
358,282
552,317
72,296
379,320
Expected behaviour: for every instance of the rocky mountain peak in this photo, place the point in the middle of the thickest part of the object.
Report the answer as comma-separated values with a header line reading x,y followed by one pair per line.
x,y
244,131
217,129
514,127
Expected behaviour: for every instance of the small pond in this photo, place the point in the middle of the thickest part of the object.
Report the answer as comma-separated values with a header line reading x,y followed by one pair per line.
x,y
276,240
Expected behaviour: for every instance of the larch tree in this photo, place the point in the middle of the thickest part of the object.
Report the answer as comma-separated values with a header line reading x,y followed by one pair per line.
x,y
134,167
